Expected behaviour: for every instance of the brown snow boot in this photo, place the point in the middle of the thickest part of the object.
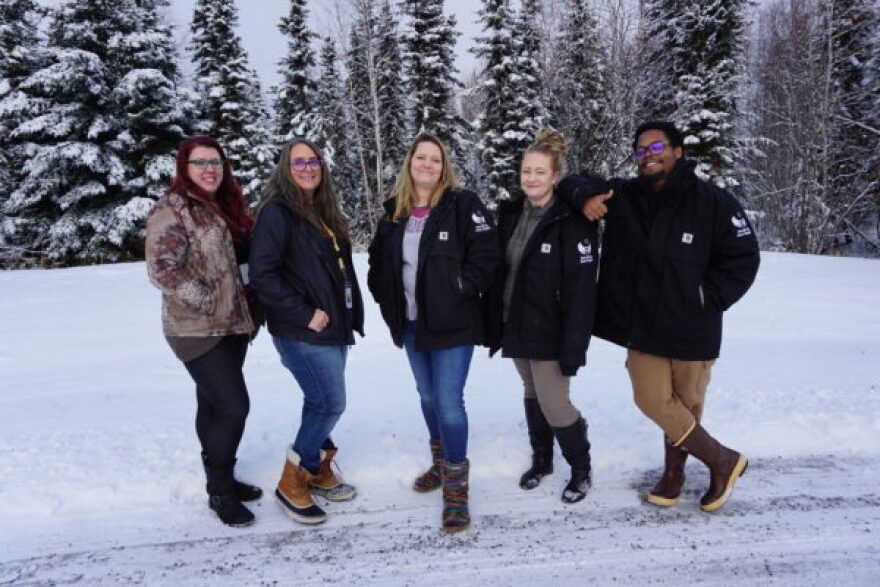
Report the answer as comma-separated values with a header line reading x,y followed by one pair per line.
x,y
327,484
293,491
432,478
455,497
668,489
725,466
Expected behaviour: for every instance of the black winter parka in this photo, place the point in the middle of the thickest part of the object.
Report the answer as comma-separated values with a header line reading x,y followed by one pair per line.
x,y
458,259
295,270
554,294
670,266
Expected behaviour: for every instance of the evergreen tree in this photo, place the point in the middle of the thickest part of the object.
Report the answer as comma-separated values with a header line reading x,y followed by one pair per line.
x,y
528,85
295,95
366,135
580,104
499,144
696,48
229,91
428,45
852,26
392,93
335,131
155,113
64,205
21,54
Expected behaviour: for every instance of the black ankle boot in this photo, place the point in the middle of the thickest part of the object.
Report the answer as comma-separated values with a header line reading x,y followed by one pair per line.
x,y
223,500
243,491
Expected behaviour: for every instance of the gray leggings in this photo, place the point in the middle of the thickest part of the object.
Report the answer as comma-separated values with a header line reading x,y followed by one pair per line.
x,y
542,380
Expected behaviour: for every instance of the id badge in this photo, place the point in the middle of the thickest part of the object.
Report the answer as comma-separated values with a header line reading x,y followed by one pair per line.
x,y
349,301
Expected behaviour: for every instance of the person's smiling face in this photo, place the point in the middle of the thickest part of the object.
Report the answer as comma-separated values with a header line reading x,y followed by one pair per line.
x,y
536,177
205,168
656,166
426,166
309,177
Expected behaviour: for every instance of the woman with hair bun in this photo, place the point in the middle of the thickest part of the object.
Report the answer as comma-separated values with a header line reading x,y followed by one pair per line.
x,y
546,297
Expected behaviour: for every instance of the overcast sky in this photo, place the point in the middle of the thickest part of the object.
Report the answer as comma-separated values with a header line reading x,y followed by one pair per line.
x,y
258,27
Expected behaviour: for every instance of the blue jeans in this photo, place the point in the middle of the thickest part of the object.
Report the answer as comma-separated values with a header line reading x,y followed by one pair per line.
x,y
320,372
440,377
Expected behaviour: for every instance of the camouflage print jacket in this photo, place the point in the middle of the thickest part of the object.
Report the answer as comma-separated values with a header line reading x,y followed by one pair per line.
x,y
190,257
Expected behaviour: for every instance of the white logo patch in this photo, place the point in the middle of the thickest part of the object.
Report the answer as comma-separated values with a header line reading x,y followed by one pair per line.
x,y
444,236
687,238
546,247
480,224
585,248
741,225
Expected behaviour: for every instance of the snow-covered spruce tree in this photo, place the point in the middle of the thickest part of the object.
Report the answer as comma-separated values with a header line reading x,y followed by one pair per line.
x,y
852,29
155,113
528,84
21,54
230,101
65,203
295,95
694,49
392,93
660,51
499,144
339,155
579,105
428,44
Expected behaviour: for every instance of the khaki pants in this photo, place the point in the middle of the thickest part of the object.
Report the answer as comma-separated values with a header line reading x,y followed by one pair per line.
x,y
669,392
542,380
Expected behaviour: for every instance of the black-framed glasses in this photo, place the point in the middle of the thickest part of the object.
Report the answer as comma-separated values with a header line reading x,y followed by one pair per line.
x,y
654,148
302,164
202,163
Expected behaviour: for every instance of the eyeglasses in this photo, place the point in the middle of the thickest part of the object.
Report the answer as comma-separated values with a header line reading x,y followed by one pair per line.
x,y
654,148
202,163
302,164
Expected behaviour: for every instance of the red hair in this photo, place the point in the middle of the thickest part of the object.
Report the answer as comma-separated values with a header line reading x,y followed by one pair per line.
x,y
229,197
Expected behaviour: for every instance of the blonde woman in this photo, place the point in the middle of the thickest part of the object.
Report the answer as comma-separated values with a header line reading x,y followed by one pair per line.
x,y
434,253
547,299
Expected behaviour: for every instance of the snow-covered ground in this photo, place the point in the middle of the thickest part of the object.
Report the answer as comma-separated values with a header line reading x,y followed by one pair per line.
x,y
100,479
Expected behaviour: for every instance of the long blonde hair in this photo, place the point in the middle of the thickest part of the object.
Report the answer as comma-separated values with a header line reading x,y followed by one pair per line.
x,y
324,210
551,143
405,190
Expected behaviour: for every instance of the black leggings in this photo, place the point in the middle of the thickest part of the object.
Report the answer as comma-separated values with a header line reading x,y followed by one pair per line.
x,y
222,396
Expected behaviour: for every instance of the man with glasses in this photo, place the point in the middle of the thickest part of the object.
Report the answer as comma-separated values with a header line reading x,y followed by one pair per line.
x,y
677,252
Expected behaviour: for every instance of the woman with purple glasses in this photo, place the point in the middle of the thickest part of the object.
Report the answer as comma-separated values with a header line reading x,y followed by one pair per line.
x,y
301,268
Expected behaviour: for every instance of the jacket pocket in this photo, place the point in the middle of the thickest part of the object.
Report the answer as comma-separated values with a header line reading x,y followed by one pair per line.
x,y
446,306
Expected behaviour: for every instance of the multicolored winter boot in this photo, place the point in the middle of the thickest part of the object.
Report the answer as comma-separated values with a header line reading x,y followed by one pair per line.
x,y
456,516
432,478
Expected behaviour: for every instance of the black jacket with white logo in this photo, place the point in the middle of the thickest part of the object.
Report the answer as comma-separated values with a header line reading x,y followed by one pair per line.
x,y
671,265
554,293
295,270
458,259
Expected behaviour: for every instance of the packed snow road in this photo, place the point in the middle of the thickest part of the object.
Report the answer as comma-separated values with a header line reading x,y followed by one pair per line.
x,y
795,521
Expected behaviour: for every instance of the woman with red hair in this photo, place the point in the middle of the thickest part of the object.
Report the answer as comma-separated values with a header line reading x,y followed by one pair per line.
x,y
198,234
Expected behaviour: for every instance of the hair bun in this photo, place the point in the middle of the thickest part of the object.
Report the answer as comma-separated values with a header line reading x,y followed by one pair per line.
x,y
551,140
